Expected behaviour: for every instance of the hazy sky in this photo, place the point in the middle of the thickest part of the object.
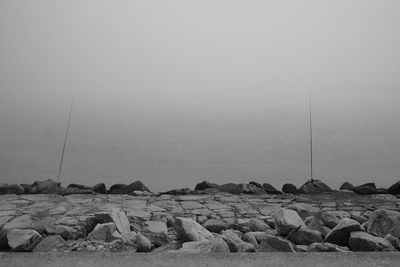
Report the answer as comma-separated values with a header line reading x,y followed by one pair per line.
x,y
197,58
198,55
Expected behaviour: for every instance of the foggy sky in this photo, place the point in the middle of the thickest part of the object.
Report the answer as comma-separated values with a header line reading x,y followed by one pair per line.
x,y
198,58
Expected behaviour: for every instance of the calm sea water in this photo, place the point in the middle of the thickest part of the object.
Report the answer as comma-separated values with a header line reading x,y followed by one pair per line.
x,y
167,152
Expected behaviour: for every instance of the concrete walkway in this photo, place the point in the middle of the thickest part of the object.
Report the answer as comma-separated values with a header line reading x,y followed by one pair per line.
x,y
186,260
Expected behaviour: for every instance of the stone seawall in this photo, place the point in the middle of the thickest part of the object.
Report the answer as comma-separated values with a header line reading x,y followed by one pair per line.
x,y
214,222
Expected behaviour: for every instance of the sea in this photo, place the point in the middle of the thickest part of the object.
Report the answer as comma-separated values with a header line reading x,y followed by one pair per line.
x,y
171,150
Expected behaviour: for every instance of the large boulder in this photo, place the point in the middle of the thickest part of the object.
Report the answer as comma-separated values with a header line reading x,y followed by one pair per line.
x,y
129,189
236,244
383,222
251,189
115,187
304,236
11,189
270,189
189,230
177,192
340,234
290,189
270,243
100,188
362,241
23,240
365,189
50,243
347,186
211,246
286,220
314,187
256,184
235,189
204,185
395,188
304,210
45,187
330,219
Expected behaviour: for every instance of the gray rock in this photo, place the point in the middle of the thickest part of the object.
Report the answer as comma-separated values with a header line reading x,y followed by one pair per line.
x,y
340,234
172,246
326,247
78,186
143,243
362,241
105,232
129,189
21,222
394,241
205,185
290,189
358,218
231,188
11,189
121,221
257,225
304,210
189,230
212,246
328,218
156,232
301,248
235,243
215,225
45,187
23,240
50,243
314,187
250,238
395,188
316,224
3,240
100,188
304,236
286,220
270,189
347,186
383,222
271,243
365,189
66,232
252,189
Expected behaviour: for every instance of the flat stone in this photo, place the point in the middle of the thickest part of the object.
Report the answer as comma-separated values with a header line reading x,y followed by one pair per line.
x,y
4,220
201,212
340,234
214,205
139,214
212,246
362,241
23,240
270,243
190,205
189,230
193,197
50,243
121,221
286,220
21,222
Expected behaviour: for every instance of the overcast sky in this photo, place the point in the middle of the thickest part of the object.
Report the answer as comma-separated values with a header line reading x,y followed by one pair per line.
x,y
199,55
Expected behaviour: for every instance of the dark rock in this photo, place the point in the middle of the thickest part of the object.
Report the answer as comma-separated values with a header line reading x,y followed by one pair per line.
x,y
250,238
231,188
382,191
27,188
362,241
358,218
177,192
251,189
314,187
79,186
365,189
383,222
143,243
172,246
45,187
211,246
3,240
347,186
129,189
340,234
100,188
270,189
304,236
115,187
330,219
256,184
395,188
289,189
204,185
50,243
215,225
11,189
23,240
271,243
73,191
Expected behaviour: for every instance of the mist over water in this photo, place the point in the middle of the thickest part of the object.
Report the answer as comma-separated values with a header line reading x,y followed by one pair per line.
x,y
176,92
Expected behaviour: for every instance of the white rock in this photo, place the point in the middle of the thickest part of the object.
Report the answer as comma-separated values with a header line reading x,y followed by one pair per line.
x,y
286,220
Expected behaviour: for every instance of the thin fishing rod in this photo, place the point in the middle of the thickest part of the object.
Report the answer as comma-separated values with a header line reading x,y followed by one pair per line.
x,y
65,142
311,143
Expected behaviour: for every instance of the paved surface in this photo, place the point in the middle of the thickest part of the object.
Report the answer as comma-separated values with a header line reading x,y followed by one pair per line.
x,y
181,259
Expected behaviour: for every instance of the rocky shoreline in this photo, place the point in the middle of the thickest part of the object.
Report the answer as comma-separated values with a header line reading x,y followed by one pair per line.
x,y
211,218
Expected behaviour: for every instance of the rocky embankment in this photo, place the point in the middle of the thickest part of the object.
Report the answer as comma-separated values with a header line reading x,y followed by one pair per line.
x,y
212,218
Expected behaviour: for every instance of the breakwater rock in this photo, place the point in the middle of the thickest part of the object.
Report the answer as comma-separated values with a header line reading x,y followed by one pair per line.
x,y
199,223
